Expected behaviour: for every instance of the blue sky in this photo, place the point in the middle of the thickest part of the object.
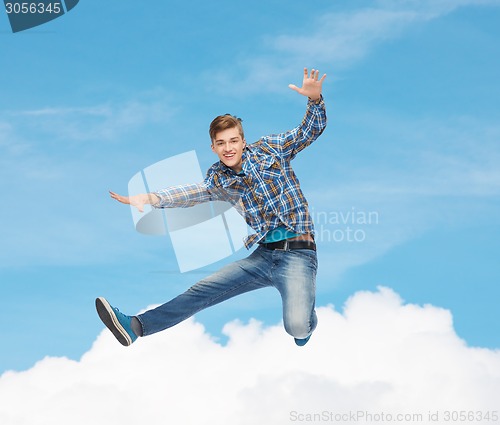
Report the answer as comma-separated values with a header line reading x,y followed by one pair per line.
x,y
93,97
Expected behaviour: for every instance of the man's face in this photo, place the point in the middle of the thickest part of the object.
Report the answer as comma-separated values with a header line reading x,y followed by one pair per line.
x,y
229,145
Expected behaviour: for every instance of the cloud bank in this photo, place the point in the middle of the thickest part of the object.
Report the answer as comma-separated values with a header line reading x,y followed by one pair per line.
x,y
378,356
335,41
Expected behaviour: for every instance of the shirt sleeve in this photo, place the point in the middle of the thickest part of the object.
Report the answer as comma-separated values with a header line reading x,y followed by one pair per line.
x,y
293,141
182,196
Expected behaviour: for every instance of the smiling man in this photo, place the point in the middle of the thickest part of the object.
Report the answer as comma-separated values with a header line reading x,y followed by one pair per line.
x,y
228,141
259,181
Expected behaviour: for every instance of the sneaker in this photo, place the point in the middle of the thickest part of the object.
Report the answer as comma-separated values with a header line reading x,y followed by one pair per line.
x,y
117,322
302,342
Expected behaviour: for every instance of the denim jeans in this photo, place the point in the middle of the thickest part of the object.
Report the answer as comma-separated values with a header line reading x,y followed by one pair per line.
x,y
291,272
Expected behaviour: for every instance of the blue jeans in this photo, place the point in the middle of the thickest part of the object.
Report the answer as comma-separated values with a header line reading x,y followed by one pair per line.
x,y
291,272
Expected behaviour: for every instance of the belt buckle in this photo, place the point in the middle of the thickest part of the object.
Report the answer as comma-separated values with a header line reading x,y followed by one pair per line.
x,y
285,246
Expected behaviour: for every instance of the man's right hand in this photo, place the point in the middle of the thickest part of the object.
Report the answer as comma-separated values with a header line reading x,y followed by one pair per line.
x,y
137,201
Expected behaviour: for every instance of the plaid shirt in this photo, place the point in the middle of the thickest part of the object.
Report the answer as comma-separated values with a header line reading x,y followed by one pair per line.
x,y
267,192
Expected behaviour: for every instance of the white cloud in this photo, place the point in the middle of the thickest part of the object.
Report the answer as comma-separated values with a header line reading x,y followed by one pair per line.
x,y
346,37
378,356
101,122
335,40
10,144
342,38
434,8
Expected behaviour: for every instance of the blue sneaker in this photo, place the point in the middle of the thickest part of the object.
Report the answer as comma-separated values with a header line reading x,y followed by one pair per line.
x,y
302,342
117,322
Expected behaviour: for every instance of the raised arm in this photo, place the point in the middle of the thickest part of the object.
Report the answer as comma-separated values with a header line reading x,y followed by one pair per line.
x,y
289,143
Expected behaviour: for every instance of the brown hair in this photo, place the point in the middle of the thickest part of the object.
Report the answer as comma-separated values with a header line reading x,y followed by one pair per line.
x,y
223,122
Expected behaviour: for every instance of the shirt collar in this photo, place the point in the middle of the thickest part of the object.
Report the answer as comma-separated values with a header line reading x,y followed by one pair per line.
x,y
244,165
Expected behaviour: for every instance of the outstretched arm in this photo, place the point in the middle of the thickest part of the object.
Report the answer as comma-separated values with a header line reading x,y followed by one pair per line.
x,y
137,201
180,196
311,86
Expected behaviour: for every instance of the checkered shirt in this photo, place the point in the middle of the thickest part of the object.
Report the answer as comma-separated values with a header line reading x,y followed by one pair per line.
x,y
267,193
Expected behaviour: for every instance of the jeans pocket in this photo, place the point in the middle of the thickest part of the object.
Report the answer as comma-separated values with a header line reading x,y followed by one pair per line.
x,y
307,255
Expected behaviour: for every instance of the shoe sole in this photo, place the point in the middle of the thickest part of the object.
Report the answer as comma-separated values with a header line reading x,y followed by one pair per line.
x,y
108,317
302,342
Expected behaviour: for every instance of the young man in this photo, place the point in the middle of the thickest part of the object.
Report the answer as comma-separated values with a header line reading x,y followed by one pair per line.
x,y
259,181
